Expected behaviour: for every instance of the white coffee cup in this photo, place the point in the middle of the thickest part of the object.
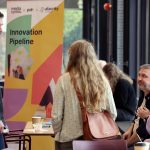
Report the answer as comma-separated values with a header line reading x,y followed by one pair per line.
x,y
141,146
36,119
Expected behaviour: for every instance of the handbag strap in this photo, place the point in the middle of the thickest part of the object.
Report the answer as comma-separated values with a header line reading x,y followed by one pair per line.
x,y
80,97
81,102
82,106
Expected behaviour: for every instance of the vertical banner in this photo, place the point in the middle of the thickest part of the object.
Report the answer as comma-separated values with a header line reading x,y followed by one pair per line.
x,y
34,56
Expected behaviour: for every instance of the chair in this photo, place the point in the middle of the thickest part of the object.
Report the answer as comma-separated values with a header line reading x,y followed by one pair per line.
x,y
100,145
18,137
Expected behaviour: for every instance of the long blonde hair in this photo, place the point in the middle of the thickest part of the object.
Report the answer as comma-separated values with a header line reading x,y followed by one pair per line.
x,y
114,73
83,65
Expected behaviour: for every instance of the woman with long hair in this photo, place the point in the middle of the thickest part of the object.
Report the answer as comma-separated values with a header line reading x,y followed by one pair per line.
x,y
123,92
84,74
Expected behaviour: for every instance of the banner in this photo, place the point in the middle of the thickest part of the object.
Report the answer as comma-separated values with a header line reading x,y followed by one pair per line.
x,y
33,61
34,56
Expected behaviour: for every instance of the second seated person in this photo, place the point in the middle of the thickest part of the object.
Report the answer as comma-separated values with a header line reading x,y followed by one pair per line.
x,y
83,70
123,92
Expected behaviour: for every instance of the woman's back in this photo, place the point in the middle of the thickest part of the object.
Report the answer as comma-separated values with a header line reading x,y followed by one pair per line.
x,y
82,74
125,100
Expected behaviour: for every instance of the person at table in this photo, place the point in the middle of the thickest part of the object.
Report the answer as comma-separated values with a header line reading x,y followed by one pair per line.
x,y
2,145
84,71
123,92
137,130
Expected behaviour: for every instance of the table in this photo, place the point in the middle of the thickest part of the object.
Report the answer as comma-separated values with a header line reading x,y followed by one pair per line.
x,y
30,131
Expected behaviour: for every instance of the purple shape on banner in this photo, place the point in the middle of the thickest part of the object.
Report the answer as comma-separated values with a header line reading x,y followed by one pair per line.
x,y
13,101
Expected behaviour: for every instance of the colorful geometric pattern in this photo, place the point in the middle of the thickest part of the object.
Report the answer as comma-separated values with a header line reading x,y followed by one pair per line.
x,y
43,27
51,68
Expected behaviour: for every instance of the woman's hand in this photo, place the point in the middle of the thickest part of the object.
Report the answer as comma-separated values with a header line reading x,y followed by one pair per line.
x,y
127,135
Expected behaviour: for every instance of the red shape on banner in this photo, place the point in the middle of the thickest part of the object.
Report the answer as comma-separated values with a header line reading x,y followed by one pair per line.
x,y
51,68
48,110
107,6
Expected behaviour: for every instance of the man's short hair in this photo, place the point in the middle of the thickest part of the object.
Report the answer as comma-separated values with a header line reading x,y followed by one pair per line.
x,y
1,15
145,66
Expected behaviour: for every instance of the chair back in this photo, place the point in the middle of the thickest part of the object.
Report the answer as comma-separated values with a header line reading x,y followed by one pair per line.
x,y
118,144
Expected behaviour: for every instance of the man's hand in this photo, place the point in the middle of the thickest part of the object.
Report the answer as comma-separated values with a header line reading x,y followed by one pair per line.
x,y
143,112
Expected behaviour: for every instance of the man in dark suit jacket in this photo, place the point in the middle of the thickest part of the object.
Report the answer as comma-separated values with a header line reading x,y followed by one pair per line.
x,y
1,106
133,135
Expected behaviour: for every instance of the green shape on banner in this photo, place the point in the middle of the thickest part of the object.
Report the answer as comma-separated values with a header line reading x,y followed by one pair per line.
x,y
18,29
18,43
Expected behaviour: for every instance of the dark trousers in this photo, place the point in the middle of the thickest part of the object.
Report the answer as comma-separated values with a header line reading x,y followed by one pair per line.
x,y
2,144
65,145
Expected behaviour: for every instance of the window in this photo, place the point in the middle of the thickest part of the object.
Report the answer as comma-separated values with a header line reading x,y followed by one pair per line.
x,y
73,20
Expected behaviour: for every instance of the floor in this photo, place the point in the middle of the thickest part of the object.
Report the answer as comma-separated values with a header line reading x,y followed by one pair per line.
x,y
13,146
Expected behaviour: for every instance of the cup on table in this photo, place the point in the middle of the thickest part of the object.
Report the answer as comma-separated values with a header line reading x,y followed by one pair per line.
x,y
141,146
36,119
37,123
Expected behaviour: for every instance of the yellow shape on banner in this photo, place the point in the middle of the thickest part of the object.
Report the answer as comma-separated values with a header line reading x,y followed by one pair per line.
x,y
52,32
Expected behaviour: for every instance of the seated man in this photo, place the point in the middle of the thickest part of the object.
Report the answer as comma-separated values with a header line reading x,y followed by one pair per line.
x,y
137,131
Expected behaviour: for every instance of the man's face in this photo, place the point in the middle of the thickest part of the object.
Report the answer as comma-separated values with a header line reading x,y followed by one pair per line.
x,y
143,80
1,23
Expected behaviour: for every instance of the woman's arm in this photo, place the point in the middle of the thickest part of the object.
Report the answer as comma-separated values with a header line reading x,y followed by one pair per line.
x,y
110,103
58,106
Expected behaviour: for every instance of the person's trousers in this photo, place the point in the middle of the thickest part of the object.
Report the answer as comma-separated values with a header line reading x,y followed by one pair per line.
x,y
63,146
2,143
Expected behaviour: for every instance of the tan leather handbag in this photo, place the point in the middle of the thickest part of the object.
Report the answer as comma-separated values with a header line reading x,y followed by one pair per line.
x,y
98,125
